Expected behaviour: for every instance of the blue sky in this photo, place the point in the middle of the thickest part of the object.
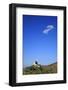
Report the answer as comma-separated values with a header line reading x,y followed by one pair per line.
x,y
40,39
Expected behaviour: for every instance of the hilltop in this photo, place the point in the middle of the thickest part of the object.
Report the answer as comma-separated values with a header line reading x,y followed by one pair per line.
x,y
41,69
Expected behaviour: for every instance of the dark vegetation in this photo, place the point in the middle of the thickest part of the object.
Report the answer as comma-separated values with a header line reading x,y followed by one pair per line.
x,y
42,69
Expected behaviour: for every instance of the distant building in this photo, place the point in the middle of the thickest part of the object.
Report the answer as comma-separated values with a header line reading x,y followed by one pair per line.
x,y
36,64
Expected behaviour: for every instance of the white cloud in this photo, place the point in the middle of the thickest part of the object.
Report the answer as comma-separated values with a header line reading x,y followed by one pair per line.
x,y
48,28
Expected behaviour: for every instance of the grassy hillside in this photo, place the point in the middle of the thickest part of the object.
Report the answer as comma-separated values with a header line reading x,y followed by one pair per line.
x,y
43,69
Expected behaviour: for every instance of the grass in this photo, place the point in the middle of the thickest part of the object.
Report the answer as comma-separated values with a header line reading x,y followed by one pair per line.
x,y
43,69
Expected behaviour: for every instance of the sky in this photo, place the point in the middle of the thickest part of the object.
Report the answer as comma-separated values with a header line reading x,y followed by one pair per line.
x,y
39,39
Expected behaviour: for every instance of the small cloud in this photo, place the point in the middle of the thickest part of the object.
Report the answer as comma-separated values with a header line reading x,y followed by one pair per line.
x,y
48,28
